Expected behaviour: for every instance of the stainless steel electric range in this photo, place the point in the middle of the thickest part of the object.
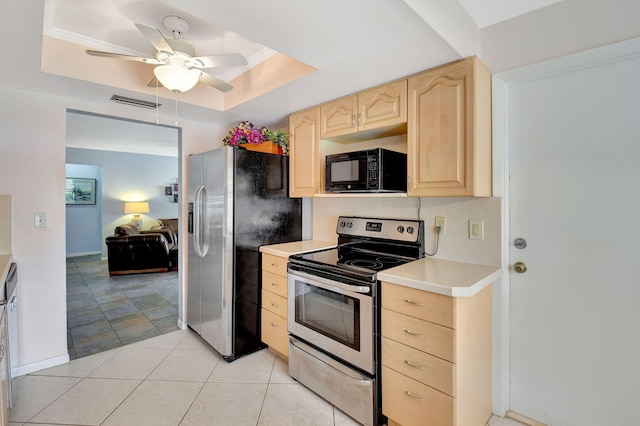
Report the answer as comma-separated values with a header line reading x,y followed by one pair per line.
x,y
334,311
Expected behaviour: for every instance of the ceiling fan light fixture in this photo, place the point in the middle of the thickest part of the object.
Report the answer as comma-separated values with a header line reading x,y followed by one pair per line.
x,y
176,78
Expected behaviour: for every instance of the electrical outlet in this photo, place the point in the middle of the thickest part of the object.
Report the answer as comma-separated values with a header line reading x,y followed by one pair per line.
x,y
442,223
476,229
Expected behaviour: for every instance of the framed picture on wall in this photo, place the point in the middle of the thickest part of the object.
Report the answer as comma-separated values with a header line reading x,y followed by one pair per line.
x,y
80,191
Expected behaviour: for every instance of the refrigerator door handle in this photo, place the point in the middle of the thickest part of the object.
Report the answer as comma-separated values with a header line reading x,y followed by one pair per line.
x,y
199,214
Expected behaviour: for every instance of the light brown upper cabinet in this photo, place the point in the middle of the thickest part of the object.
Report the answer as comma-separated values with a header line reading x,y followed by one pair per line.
x,y
304,153
383,107
449,131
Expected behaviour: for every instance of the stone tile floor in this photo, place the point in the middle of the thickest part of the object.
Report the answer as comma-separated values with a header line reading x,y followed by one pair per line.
x,y
108,312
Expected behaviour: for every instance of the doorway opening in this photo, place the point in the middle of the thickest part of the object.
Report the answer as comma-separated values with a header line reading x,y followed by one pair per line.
x,y
130,161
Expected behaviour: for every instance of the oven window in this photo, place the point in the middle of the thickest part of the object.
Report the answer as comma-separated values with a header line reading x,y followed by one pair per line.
x,y
329,313
345,171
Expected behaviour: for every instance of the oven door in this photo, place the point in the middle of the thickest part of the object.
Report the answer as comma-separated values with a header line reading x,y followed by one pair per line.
x,y
333,316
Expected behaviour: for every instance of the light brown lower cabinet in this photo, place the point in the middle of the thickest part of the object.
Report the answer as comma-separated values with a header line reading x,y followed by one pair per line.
x,y
274,304
436,357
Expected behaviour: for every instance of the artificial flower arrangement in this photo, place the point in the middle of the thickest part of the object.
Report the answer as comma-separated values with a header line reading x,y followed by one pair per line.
x,y
247,133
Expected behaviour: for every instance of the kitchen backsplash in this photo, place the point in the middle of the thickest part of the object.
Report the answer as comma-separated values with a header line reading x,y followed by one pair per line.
x,y
5,224
454,245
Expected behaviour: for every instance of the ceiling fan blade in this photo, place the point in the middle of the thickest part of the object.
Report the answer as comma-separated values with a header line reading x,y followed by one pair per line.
x,y
156,38
225,60
125,57
215,82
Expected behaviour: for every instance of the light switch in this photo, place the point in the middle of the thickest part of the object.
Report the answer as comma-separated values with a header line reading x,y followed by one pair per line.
x,y
476,229
40,220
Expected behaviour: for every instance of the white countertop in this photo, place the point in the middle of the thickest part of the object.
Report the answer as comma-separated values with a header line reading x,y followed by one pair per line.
x,y
456,279
296,247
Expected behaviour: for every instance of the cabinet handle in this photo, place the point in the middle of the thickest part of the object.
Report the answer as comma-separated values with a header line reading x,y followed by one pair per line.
x,y
413,302
359,120
410,364
275,305
275,284
2,352
353,121
410,333
274,325
275,265
417,398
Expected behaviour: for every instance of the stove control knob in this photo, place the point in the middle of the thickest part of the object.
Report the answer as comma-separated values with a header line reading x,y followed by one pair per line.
x,y
342,224
410,229
349,224
400,229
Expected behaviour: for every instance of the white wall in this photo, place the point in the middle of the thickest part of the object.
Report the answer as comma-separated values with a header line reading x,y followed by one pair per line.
x,y
454,245
32,170
130,177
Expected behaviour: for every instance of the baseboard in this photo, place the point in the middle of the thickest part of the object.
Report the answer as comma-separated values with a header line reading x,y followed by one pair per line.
x,y
522,419
40,365
182,325
87,253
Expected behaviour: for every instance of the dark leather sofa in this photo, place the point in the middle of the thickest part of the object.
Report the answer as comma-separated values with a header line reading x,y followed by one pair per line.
x,y
131,251
172,225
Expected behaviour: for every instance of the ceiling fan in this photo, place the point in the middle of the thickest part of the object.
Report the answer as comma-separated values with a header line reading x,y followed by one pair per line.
x,y
178,69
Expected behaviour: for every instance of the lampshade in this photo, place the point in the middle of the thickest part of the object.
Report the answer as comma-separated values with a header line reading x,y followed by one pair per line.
x,y
176,78
136,208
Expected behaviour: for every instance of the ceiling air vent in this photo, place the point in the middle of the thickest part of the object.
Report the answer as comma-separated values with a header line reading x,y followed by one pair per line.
x,y
134,102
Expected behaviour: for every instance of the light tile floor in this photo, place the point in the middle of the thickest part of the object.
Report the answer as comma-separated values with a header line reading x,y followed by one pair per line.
x,y
172,379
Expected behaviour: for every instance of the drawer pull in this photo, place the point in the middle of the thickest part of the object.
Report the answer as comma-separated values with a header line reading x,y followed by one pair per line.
x,y
417,398
275,284
414,302
410,364
411,333
274,325
275,265
275,305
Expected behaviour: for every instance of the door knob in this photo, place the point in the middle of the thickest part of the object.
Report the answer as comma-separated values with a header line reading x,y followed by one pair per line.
x,y
520,267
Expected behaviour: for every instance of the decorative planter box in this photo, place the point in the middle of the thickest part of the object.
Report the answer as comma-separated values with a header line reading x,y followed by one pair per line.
x,y
268,147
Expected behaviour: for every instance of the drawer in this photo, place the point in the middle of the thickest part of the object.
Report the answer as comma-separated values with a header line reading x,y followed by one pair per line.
x,y
434,372
275,264
274,283
274,303
422,335
410,403
274,332
420,304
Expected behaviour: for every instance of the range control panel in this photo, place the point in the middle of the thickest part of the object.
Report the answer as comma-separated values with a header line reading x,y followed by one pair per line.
x,y
388,229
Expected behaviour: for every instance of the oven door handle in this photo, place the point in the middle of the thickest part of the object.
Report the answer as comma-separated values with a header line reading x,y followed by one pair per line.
x,y
329,284
360,380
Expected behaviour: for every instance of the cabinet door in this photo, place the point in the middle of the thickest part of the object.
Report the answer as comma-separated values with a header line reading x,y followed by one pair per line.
x,y
383,106
449,131
338,117
305,172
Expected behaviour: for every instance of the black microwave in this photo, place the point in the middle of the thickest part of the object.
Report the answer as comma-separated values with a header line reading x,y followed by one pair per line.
x,y
373,170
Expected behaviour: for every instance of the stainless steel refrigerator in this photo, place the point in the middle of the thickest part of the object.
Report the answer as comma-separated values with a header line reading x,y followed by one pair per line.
x,y
238,201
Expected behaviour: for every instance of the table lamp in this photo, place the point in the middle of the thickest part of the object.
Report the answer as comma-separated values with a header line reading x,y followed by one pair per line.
x,y
136,209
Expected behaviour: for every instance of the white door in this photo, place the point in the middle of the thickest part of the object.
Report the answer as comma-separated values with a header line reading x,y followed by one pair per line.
x,y
574,189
